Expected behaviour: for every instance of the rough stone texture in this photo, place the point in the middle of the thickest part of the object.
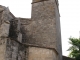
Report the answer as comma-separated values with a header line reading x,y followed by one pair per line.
x,y
4,30
37,38
11,50
2,52
41,54
42,30
15,30
10,37
4,24
15,51
2,48
24,23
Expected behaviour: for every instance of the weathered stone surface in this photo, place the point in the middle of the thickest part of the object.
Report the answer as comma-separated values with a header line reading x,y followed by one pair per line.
x,y
22,53
4,30
19,37
13,29
10,49
2,48
44,10
37,38
42,30
2,8
2,52
41,54
24,23
5,18
15,32
15,51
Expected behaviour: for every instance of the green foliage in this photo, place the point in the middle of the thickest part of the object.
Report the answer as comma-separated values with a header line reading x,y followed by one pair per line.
x,y
75,48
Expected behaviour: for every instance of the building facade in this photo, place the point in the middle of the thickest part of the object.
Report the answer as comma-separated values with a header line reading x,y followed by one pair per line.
x,y
38,38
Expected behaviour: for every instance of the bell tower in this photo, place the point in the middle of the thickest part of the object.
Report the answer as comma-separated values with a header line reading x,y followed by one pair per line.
x,y
44,32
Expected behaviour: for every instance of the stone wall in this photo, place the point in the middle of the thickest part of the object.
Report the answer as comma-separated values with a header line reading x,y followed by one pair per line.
x,y
2,48
43,30
15,50
24,23
11,47
41,54
4,30
37,38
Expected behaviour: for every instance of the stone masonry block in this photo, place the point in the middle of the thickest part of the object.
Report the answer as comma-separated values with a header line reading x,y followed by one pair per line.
x,y
41,54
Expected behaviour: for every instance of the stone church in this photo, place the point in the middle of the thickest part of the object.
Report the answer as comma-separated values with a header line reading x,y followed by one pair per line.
x,y
38,38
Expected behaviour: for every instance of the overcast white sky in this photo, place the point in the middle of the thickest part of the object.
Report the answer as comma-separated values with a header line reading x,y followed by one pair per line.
x,y
69,11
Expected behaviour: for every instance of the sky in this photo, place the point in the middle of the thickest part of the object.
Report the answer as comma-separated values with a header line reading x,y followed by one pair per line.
x,y
69,17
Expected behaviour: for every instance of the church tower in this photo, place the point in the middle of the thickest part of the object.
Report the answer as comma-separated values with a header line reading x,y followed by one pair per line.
x,y
44,31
